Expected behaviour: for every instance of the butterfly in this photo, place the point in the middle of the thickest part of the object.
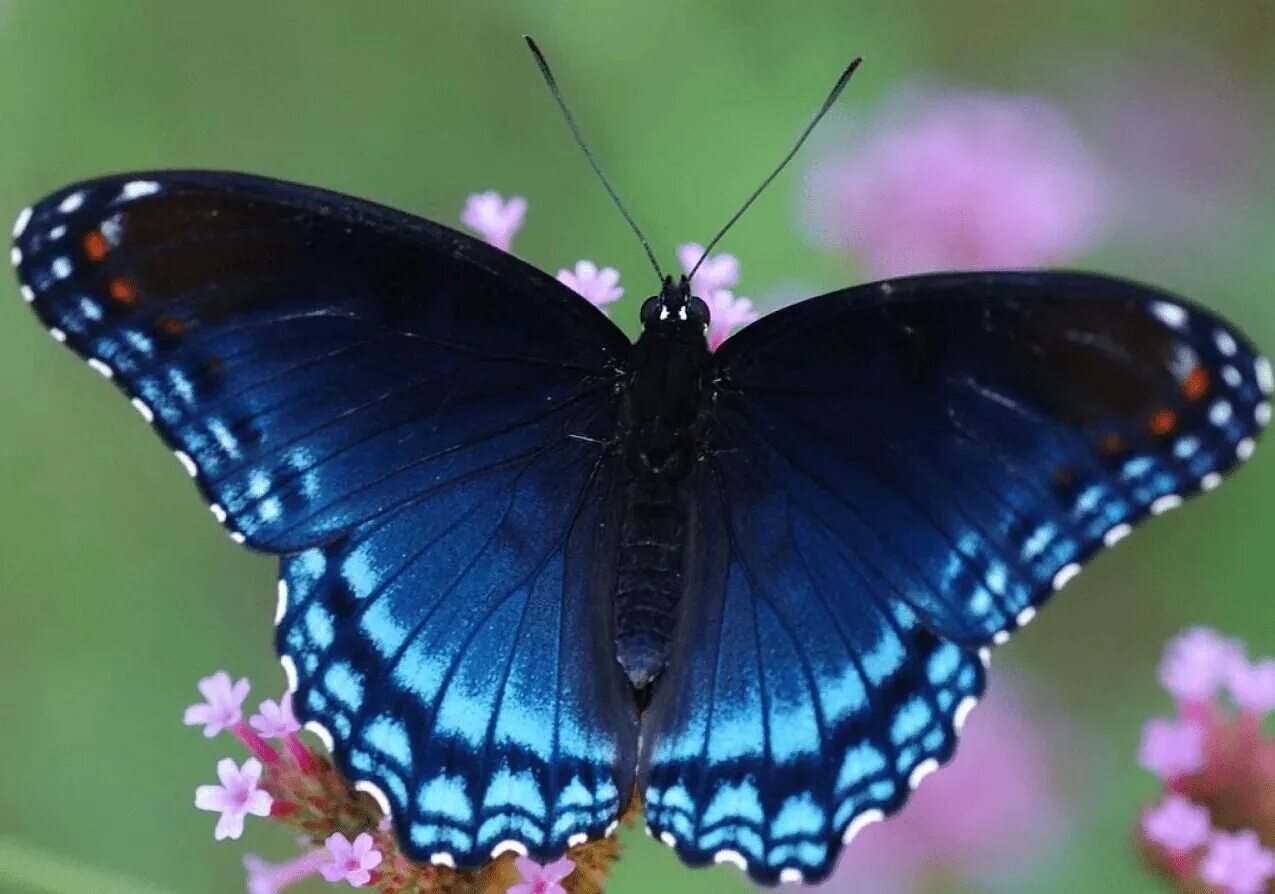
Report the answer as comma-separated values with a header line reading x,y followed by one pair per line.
x,y
530,569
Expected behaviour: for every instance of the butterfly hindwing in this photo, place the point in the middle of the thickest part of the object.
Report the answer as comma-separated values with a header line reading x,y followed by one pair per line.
x,y
310,357
896,477
458,651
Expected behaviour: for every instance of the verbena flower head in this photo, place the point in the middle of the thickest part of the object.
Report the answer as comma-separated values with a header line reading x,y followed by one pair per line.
x,y
494,218
713,283
599,287
537,879
351,861
236,797
959,180
1214,828
992,815
222,706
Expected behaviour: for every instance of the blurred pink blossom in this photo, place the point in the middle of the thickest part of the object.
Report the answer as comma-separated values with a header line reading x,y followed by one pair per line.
x,y
599,286
1172,748
1238,863
493,218
351,861
726,314
991,814
222,707
717,271
236,797
275,720
1176,824
1252,686
270,878
537,879
960,180
1197,662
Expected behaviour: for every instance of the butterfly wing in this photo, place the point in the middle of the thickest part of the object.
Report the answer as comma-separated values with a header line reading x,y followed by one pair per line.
x,y
897,477
414,419
311,358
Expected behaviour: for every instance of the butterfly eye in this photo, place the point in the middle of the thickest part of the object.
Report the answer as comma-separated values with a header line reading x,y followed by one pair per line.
x,y
650,311
699,311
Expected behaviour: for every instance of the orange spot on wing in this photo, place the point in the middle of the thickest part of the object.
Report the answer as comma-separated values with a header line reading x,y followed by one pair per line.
x,y
122,291
1163,422
1196,384
171,326
1112,444
95,245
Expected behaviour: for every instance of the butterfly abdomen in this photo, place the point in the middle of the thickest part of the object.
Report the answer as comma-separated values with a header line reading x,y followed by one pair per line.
x,y
649,577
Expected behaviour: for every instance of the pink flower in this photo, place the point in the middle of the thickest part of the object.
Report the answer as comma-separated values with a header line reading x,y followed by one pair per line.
x,y
599,287
990,816
1253,686
1172,748
353,862
717,271
537,879
1176,824
268,878
275,720
1197,662
493,218
236,797
223,704
727,313
960,180
1238,863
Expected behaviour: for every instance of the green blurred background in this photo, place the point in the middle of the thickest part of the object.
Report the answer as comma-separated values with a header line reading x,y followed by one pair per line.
x,y
119,590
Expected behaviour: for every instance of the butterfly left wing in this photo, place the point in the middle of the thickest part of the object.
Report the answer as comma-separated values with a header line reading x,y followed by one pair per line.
x,y
897,476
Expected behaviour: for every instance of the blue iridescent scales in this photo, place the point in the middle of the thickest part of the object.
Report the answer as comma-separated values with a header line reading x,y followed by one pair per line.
x,y
893,479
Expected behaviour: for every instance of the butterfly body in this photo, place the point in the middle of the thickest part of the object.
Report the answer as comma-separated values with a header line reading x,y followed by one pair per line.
x,y
527,565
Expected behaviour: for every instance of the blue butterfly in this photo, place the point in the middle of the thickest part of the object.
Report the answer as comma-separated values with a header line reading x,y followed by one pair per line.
x,y
528,566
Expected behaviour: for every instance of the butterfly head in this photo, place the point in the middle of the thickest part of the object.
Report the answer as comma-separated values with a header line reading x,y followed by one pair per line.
x,y
675,310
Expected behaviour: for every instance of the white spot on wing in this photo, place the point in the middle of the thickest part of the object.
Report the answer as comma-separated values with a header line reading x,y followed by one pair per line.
x,y
61,267
27,294
321,732
237,536
1220,413
1065,574
136,189
140,406
1165,503
218,512
187,463
668,838
71,202
1225,343
791,876
920,771
962,712
516,847
101,368
985,657
20,225
861,822
58,335
281,602
1116,533
734,858
1244,449
442,858
577,839
289,671
1231,376
615,824
374,790
15,256
1000,637
1262,414
1025,616
1210,481
1265,378
1169,314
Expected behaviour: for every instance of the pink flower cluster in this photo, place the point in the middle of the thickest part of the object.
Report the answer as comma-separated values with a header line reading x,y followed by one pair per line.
x,y
354,843
496,220
1214,828
959,181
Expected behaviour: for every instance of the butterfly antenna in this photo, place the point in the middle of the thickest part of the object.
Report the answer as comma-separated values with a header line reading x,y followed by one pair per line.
x,y
823,110
552,84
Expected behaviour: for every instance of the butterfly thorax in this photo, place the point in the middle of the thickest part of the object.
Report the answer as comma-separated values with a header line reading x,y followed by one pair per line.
x,y
661,423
